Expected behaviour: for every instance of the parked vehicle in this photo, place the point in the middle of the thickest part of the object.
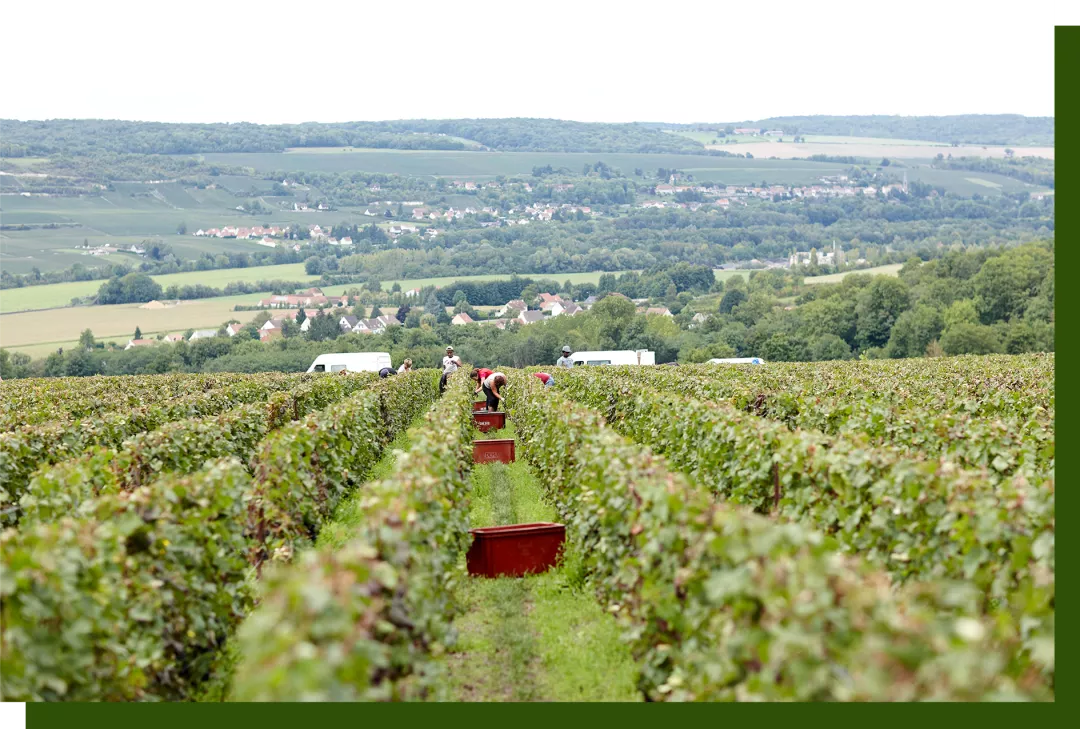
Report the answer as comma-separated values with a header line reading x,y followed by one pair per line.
x,y
738,360
351,362
623,357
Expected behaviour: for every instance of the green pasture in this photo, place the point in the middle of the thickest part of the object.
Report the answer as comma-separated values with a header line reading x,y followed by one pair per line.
x,y
491,164
891,269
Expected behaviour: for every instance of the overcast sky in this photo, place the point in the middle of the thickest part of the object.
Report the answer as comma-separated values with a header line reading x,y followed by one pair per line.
x,y
689,61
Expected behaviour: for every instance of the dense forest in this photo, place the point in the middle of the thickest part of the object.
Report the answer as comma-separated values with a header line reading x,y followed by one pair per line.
x,y
89,136
972,302
995,129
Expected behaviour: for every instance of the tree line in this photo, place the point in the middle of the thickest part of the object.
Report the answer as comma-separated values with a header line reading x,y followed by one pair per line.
x,y
980,301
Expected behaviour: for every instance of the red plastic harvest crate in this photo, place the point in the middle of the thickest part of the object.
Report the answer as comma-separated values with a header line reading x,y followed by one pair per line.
x,y
515,550
479,405
486,421
496,450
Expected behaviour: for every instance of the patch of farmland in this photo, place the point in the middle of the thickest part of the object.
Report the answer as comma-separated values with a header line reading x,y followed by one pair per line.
x,y
61,294
892,269
60,325
480,165
879,149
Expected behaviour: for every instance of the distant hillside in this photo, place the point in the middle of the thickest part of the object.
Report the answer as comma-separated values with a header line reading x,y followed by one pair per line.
x,y
989,129
87,136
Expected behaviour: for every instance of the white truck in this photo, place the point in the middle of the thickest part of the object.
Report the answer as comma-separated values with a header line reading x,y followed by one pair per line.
x,y
623,357
351,362
738,360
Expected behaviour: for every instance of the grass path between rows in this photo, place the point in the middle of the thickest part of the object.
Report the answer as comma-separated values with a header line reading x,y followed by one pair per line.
x,y
535,638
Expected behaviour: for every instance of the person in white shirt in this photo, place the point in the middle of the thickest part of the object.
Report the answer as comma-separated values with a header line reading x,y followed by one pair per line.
x,y
565,360
450,363
491,386
406,366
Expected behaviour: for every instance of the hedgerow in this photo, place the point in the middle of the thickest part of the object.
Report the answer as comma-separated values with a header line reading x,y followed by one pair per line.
x,y
303,470
179,447
24,450
723,604
363,622
159,575
35,401
920,518
130,600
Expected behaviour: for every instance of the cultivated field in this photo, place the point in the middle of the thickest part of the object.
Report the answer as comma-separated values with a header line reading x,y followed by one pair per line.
x,y
478,165
56,326
891,269
855,146
51,296
695,513
876,149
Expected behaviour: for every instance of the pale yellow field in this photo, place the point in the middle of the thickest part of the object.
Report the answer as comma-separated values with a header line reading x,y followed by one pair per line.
x,y
64,325
907,150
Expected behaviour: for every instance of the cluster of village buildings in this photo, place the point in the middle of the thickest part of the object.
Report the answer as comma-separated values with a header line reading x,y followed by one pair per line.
x,y
287,308
837,186
106,250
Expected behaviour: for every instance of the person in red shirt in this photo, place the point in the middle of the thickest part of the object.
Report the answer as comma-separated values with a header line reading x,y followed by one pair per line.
x,y
544,377
480,375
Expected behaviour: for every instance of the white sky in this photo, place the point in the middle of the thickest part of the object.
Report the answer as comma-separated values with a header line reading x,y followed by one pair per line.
x,y
275,62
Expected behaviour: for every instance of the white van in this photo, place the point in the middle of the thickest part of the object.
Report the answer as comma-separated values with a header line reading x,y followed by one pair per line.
x,y
624,357
738,360
351,361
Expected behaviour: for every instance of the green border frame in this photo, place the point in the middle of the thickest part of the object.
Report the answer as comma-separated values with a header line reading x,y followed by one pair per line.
x,y
1066,185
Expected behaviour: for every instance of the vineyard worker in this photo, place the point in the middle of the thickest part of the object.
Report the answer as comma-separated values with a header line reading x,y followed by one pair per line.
x,y
406,366
544,377
387,372
480,375
450,363
565,360
492,383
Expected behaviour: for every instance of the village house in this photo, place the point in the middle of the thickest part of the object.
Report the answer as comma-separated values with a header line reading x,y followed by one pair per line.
x,y
530,317
462,319
412,293
265,335
132,343
173,338
497,323
233,329
657,310
665,189
376,325
202,334
348,323
306,299
512,308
